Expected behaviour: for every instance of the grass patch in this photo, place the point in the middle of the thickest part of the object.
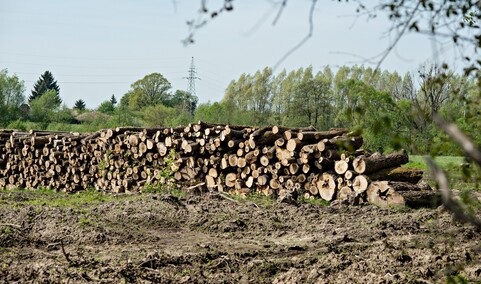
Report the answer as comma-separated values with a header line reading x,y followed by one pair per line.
x,y
314,201
447,163
85,222
52,198
260,200
462,174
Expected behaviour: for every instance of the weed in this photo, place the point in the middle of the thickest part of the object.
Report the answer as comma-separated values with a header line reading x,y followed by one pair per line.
x,y
103,165
164,179
456,279
314,201
84,222
261,200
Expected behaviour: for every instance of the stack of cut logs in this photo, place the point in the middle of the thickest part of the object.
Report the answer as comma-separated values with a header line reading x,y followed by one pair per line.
x,y
268,160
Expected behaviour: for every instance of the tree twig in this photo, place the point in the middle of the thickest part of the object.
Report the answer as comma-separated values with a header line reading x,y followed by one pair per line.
x,y
226,197
65,253
195,186
279,13
304,40
405,27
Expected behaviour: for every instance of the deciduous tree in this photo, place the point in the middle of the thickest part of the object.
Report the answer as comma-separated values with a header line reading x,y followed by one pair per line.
x,y
11,97
151,90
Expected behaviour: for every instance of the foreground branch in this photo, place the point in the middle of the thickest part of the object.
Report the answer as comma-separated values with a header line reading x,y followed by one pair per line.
x,y
447,196
457,135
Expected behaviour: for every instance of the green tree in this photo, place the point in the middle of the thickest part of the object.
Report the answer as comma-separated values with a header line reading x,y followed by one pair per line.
x,y
79,105
45,83
262,95
277,107
183,100
113,100
106,107
151,90
158,115
44,108
11,97
221,112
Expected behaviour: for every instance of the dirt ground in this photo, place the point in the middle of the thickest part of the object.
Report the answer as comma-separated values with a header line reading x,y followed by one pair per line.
x,y
162,238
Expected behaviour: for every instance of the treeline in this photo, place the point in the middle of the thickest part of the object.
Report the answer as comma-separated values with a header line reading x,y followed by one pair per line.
x,y
391,110
149,101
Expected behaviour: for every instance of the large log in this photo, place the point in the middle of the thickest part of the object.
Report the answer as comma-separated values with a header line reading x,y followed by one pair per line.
x,y
376,162
309,137
407,186
421,199
384,196
401,174
326,185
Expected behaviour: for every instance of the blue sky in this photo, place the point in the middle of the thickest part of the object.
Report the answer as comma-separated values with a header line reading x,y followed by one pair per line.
x,y
98,48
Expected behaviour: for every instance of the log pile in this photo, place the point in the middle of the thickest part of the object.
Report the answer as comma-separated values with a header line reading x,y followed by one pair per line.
x,y
269,160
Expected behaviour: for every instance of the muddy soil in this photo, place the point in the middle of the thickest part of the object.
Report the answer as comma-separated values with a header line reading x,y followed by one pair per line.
x,y
162,238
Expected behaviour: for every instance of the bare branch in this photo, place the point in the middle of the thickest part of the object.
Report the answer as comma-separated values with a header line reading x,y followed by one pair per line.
x,y
405,27
64,252
281,9
304,40
447,196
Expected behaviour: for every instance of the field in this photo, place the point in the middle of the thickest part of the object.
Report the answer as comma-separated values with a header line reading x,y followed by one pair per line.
x,y
176,237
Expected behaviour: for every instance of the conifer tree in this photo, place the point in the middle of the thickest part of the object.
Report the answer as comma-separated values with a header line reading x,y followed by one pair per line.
x,y
45,83
79,105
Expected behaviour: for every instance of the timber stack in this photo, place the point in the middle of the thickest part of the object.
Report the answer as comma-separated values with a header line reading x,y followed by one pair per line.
x,y
270,160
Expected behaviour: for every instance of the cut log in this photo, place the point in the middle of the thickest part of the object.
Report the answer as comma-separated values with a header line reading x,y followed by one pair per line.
x,y
400,174
350,143
382,196
264,161
210,182
326,186
230,179
293,168
346,193
262,180
250,182
406,186
340,167
274,183
314,136
421,199
348,175
376,162
360,184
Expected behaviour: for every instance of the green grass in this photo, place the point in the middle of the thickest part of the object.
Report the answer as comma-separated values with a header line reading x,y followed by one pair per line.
x,y
315,201
462,175
51,198
258,199
447,163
